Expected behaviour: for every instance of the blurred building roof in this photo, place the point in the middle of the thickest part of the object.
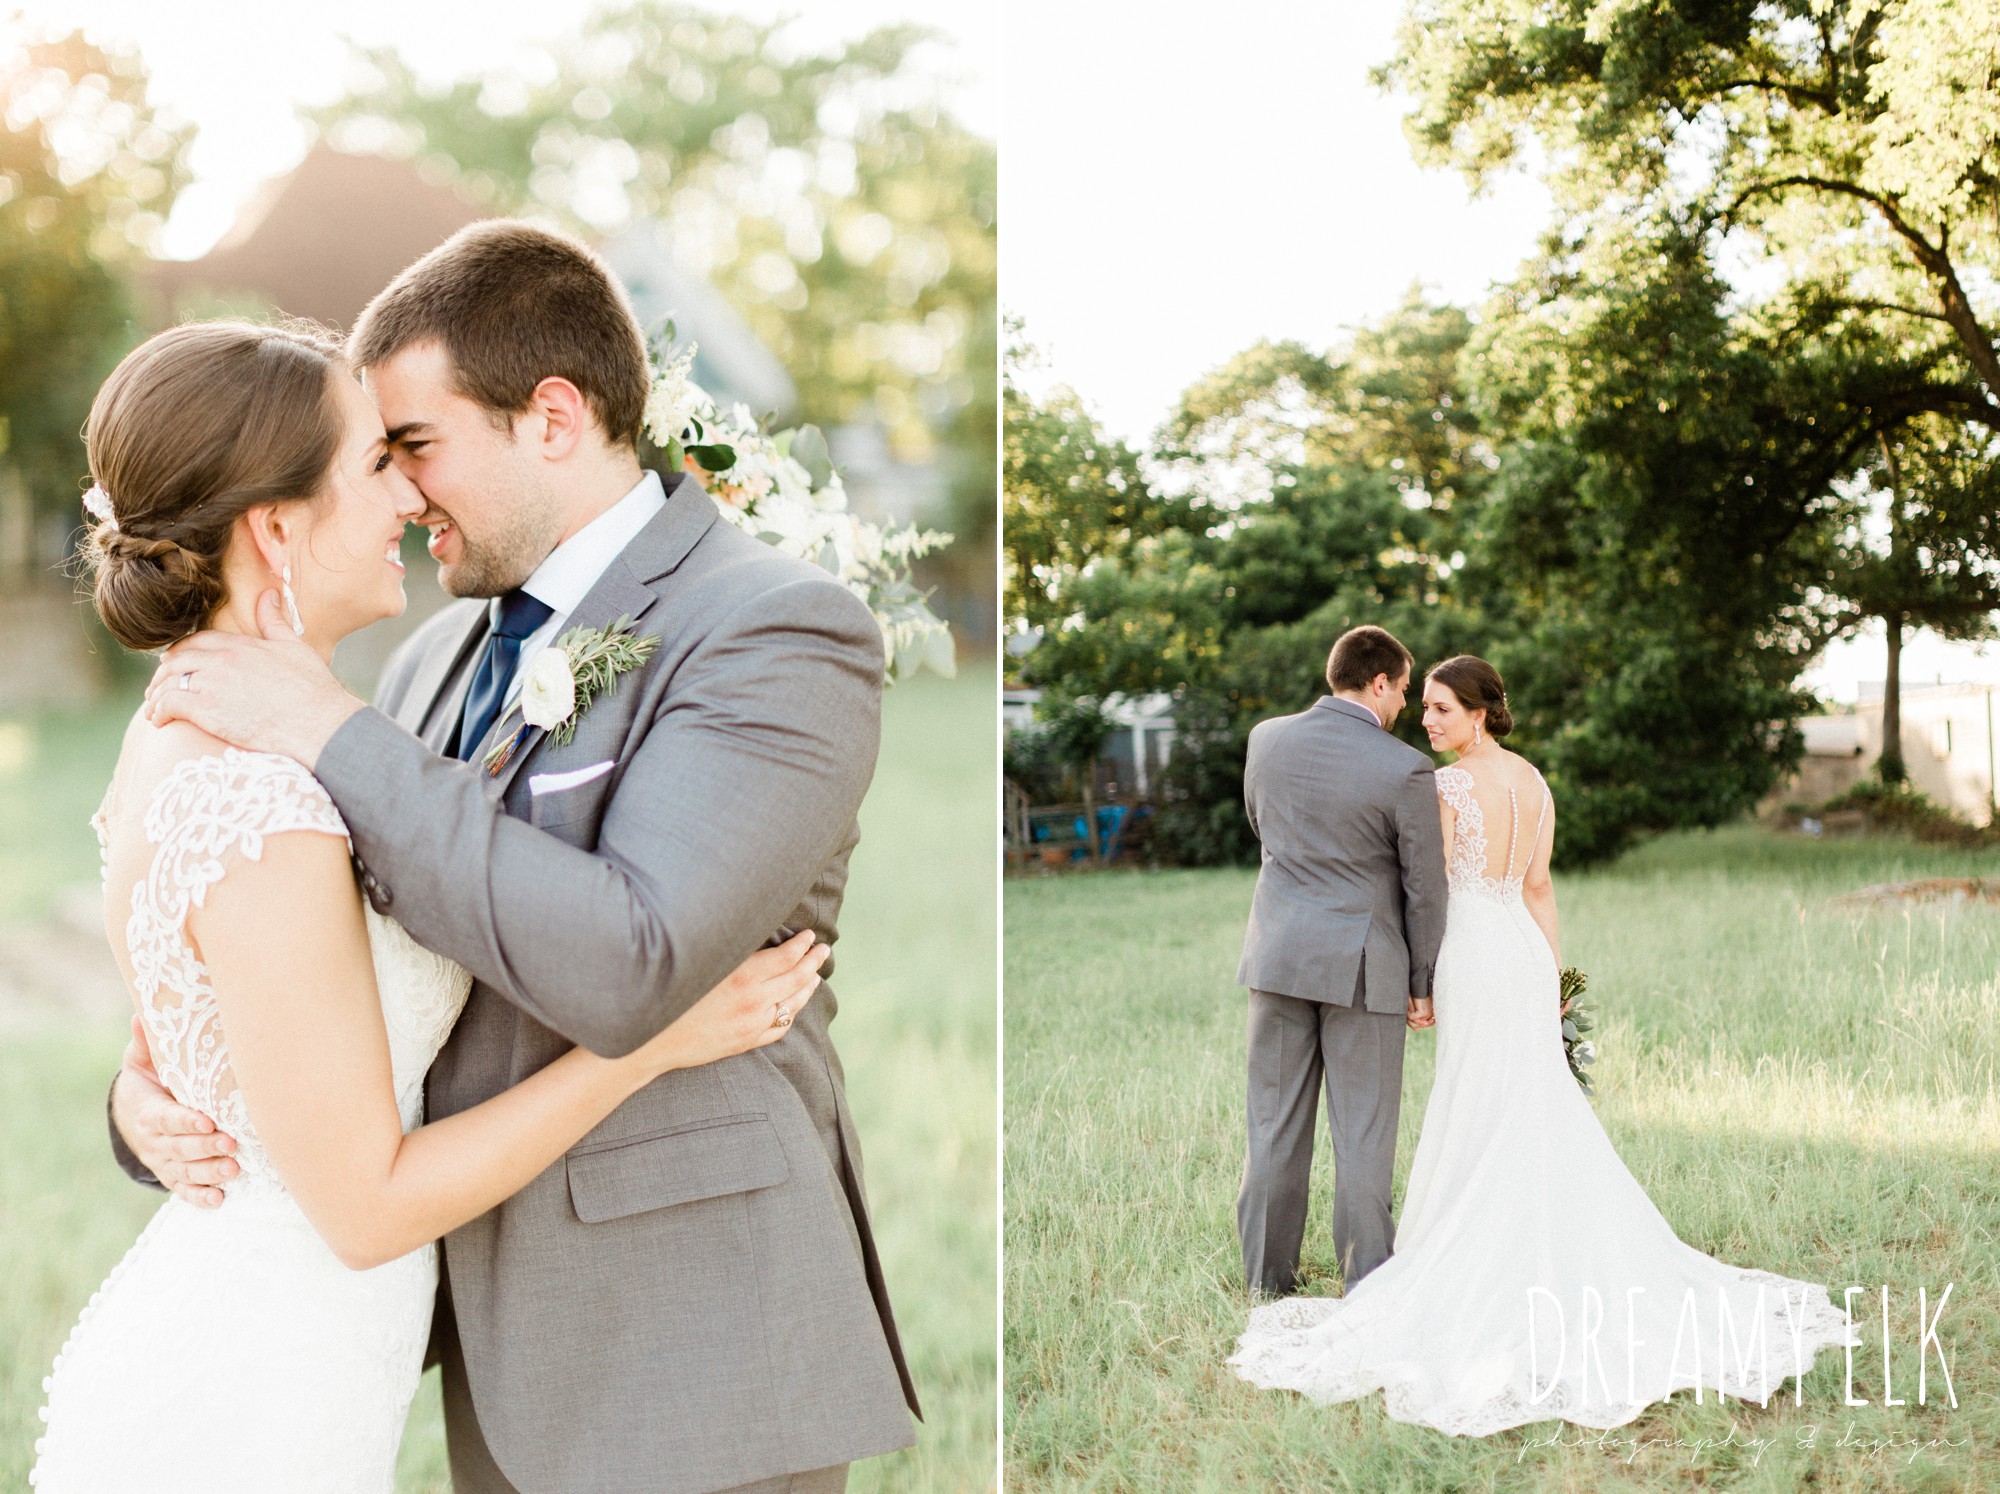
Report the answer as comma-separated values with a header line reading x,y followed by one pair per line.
x,y
322,240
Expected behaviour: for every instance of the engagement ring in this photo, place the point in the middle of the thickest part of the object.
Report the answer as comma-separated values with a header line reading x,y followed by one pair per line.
x,y
185,678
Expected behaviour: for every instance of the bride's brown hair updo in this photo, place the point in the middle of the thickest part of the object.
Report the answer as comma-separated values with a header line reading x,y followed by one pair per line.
x,y
1478,686
196,426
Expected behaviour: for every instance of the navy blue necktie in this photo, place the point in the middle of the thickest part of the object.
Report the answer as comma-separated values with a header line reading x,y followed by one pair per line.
x,y
520,615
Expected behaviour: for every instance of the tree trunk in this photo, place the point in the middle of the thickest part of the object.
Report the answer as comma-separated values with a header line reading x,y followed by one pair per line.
x,y
1090,812
1891,765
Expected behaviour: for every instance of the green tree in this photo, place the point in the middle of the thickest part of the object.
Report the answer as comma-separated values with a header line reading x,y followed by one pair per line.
x,y
87,175
1071,496
1315,492
1768,218
828,194
1932,565
1852,146
1661,525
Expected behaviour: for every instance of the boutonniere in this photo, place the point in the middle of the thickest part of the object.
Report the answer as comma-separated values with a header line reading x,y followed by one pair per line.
x,y
560,681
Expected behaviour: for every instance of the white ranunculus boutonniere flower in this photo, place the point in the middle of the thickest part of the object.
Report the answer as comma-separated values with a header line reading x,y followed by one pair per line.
x,y
548,689
559,682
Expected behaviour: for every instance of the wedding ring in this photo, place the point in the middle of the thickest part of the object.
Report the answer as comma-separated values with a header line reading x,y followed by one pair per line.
x,y
185,681
783,1019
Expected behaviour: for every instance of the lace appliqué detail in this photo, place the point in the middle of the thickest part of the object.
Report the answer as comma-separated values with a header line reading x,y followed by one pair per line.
x,y
245,1305
1466,856
204,811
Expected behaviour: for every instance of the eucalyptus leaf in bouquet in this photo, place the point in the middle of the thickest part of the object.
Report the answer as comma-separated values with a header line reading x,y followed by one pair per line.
x,y
783,488
1576,1026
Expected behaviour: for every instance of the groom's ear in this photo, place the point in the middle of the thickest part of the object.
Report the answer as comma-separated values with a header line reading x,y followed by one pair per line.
x,y
559,417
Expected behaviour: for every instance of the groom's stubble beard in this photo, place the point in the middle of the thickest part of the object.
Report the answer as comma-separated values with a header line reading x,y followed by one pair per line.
x,y
508,549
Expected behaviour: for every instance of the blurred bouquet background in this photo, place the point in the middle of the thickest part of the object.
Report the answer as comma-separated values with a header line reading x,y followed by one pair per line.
x,y
811,201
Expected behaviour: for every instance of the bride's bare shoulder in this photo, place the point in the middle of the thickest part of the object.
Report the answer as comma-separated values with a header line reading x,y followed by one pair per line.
x,y
149,757
149,753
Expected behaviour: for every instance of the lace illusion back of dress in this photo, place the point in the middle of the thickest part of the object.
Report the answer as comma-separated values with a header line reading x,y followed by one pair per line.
x,y
1471,862
203,812
244,1306
206,814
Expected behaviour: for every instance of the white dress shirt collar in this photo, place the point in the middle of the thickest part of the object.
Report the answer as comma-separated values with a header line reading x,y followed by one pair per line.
x,y
1341,702
577,564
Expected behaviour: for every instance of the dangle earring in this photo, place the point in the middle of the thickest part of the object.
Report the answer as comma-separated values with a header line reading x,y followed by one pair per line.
x,y
1478,737
291,602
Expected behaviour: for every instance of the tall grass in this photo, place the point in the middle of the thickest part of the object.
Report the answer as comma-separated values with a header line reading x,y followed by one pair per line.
x,y
916,1033
1800,1088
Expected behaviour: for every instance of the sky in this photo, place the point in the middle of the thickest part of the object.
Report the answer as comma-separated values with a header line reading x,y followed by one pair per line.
x,y
239,69
1174,191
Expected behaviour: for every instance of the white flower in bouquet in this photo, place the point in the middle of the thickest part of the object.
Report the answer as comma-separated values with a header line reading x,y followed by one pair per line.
x,y
675,398
782,489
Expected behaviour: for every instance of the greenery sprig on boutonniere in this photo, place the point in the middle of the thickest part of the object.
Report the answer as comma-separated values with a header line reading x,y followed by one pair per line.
x,y
559,683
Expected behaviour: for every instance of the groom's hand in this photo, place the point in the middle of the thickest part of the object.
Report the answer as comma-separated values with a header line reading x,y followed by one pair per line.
x,y
268,694
179,1146
1419,1014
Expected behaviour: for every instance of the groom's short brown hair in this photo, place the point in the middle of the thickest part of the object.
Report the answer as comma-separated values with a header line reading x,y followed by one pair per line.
x,y
1361,653
513,305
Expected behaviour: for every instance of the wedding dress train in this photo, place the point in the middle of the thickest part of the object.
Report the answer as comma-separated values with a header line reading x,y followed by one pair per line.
x,y
230,1352
1532,1277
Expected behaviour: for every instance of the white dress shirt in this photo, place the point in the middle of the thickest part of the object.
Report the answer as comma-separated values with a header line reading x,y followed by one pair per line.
x,y
563,580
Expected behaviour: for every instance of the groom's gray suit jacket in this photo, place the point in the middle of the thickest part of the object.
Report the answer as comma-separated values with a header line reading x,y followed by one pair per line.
x,y
690,1299
1352,887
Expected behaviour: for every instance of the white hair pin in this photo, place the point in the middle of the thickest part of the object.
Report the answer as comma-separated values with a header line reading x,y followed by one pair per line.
x,y
98,503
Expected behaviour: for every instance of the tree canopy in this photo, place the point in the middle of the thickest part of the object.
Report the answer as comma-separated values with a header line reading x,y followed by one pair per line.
x,y
1743,397
88,173
828,194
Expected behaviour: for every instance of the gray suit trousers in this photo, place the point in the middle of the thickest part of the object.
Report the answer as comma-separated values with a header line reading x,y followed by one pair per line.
x,y
1359,1053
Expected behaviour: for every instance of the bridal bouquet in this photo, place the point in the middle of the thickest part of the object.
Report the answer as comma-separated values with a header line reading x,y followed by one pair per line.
x,y
1577,1048
782,488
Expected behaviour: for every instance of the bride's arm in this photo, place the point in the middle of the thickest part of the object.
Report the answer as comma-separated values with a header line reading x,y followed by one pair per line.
x,y
1538,891
286,947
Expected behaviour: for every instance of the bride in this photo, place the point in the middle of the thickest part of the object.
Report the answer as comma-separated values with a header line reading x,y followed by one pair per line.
x,y
230,459
1532,1277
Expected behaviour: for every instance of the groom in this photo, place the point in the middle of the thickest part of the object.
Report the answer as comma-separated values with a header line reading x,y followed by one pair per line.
x,y
1344,929
692,1301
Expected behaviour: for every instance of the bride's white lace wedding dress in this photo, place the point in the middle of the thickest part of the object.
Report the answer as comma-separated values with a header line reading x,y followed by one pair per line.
x,y
1516,1195
230,1351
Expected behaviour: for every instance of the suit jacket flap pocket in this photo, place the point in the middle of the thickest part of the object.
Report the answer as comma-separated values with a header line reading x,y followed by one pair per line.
x,y
730,1154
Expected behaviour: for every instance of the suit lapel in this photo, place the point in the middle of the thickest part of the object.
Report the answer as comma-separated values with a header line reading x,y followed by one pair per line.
x,y
623,591
421,711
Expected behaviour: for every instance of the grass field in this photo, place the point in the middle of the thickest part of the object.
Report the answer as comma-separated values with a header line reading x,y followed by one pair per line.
x,y
916,1033
1800,1088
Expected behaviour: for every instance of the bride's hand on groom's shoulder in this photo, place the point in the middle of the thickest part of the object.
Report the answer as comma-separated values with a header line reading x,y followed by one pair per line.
x,y
179,1146
268,694
753,1007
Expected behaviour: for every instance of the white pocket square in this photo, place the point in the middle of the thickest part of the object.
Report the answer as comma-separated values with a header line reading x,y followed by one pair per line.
x,y
555,783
